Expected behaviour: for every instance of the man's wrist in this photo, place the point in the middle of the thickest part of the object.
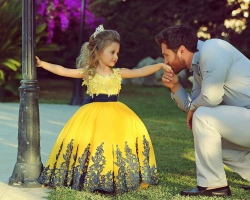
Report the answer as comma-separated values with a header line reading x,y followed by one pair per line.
x,y
192,107
175,88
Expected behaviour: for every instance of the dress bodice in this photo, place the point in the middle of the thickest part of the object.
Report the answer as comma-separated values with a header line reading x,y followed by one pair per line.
x,y
99,84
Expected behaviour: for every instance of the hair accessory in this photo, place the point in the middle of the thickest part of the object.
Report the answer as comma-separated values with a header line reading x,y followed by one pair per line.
x,y
99,29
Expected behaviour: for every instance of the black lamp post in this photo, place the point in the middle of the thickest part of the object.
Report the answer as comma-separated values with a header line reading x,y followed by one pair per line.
x,y
28,166
77,98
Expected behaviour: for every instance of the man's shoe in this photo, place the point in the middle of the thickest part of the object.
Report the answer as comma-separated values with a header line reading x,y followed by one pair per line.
x,y
202,191
246,187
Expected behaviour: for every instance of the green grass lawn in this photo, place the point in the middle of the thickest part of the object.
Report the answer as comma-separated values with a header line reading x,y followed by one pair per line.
x,y
172,140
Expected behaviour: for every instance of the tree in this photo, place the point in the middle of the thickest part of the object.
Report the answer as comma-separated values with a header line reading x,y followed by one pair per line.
x,y
61,15
11,47
139,21
63,26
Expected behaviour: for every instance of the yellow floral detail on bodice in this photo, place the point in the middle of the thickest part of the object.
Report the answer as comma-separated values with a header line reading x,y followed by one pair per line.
x,y
99,84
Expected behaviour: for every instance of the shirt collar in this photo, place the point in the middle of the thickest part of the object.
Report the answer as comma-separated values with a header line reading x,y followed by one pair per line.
x,y
196,58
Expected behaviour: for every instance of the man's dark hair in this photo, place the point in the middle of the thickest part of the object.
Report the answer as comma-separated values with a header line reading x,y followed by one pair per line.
x,y
175,36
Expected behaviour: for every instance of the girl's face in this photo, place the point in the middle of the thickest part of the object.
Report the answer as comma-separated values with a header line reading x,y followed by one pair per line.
x,y
109,56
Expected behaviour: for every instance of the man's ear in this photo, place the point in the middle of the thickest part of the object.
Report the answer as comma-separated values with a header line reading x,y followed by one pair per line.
x,y
182,49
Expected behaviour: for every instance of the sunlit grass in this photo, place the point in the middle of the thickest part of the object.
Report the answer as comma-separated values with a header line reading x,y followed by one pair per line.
x,y
172,141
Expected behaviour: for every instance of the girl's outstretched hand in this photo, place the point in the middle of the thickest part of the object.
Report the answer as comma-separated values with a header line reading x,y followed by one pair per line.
x,y
170,79
167,68
38,62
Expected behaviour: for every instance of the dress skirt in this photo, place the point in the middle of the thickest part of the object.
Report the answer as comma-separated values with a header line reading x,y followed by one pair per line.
x,y
103,147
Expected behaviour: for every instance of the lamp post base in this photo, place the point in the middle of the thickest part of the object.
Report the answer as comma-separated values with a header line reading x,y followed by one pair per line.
x,y
21,178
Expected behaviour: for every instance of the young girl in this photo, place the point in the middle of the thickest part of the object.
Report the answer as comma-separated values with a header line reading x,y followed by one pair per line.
x,y
104,146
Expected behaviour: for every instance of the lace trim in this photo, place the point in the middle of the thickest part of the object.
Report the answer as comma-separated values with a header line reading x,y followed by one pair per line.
x,y
91,178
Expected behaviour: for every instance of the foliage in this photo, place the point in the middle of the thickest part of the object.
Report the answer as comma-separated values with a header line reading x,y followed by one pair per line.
x,y
242,40
11,47
138,22
63,15
10,44
69,24
173,146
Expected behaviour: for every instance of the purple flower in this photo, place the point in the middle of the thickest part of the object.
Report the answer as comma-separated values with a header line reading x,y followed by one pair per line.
x,y
59,13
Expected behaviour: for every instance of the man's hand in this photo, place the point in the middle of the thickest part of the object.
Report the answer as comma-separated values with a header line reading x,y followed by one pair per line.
x,y
171,81
189,119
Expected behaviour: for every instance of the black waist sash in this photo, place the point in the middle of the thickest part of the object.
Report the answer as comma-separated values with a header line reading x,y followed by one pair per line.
x,y
104,98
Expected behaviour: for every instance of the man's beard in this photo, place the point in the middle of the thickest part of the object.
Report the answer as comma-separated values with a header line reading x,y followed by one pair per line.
x,y
177,70
179,66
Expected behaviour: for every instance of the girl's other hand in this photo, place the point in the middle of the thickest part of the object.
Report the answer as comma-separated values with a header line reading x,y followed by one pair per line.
x,y
167,68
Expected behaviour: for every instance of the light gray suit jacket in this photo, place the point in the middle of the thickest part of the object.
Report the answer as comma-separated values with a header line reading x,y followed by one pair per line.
x,y
221,77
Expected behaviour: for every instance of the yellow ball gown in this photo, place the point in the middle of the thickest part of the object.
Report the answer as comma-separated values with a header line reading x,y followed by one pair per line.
x,y
103,147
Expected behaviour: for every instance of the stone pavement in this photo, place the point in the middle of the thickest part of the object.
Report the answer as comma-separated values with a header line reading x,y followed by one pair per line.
x,y
52,119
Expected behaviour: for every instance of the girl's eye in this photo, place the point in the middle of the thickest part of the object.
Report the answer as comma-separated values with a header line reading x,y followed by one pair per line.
x,y
114,52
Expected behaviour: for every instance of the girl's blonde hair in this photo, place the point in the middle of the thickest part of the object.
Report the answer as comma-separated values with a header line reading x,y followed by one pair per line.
x,y
90,51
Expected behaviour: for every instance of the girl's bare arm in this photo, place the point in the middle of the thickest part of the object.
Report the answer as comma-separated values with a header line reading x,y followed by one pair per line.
x,y
60,70
144,71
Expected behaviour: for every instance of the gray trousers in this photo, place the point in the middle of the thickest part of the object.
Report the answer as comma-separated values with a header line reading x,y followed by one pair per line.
x,y
221,136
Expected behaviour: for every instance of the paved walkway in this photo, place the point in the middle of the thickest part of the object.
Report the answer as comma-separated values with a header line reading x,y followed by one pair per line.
x,y
52,119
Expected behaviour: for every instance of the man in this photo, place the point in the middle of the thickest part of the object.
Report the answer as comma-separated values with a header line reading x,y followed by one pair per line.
x,y
218,109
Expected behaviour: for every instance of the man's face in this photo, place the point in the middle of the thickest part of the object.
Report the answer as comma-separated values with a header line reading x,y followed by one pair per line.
x,y
172,59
